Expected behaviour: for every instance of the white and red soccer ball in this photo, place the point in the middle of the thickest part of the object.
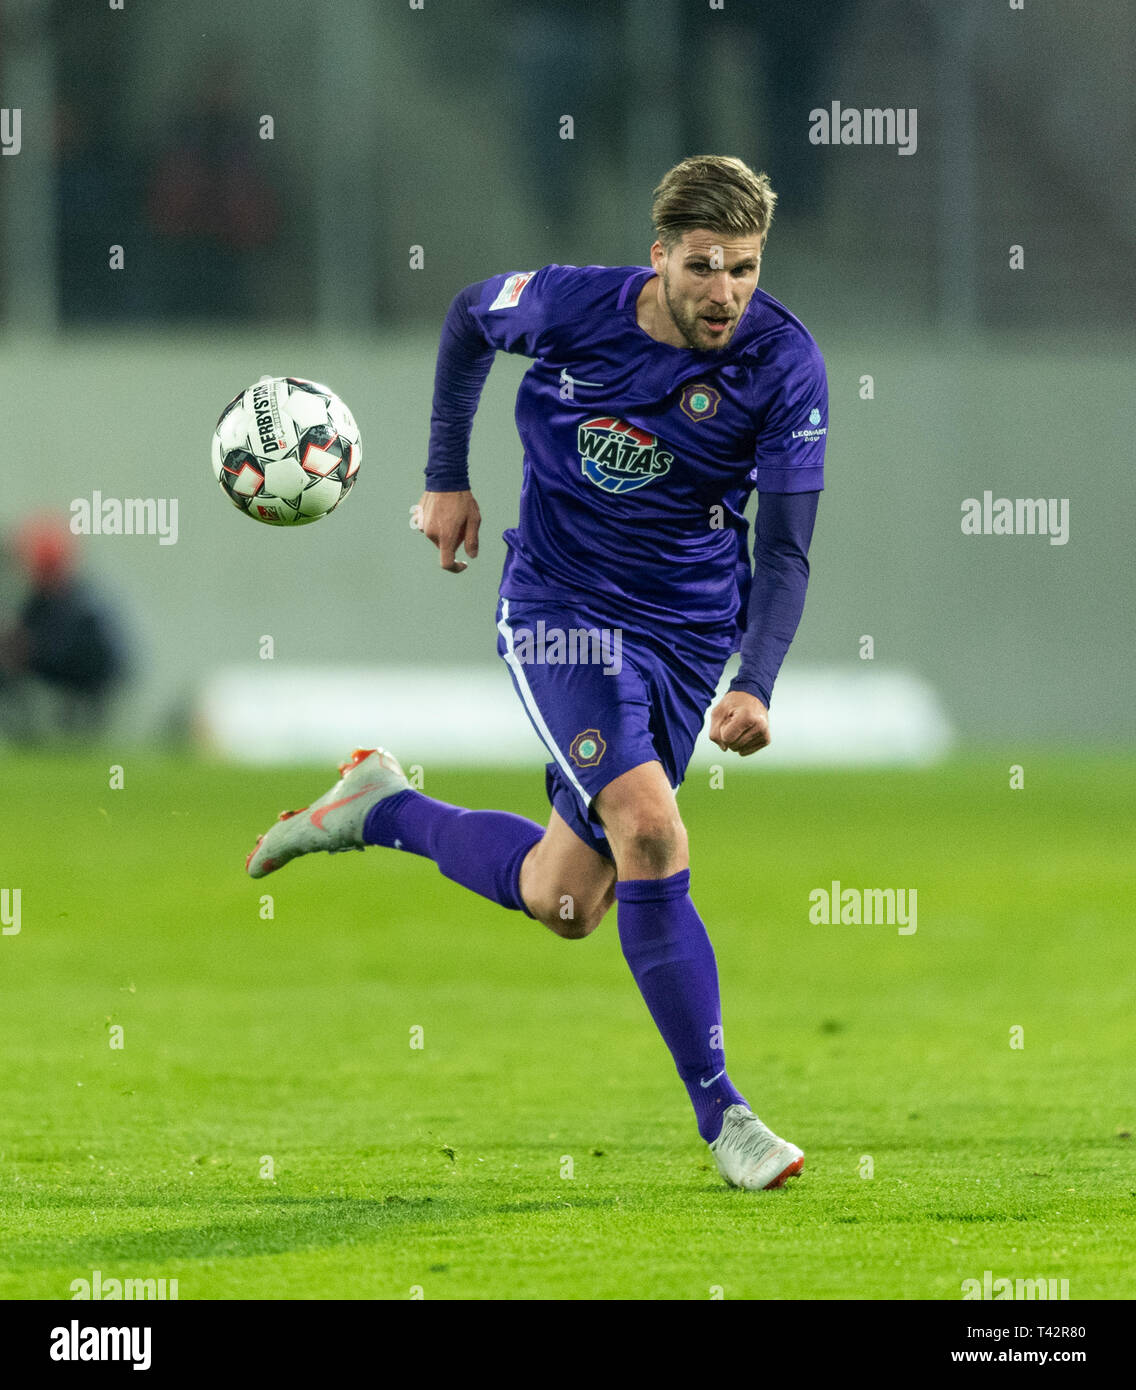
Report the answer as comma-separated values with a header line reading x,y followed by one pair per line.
x,y
286,451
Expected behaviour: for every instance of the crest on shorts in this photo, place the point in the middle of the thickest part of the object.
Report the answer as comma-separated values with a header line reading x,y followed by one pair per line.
x,y
699,401
587,748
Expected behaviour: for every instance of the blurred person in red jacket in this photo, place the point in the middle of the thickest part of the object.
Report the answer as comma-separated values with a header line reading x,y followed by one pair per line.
x,y
62,658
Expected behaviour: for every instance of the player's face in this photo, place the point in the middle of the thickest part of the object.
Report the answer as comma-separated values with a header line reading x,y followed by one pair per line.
x,y
707,283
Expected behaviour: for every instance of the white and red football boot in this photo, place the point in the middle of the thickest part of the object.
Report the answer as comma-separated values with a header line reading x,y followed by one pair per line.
x,y
750,1155
335,822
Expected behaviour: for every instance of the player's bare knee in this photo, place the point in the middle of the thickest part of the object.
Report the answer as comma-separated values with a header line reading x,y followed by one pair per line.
x,y
653,844
574,918
570,928
572,931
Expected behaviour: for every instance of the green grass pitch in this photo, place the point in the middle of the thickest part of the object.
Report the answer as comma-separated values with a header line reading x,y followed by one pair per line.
x,y
266,1129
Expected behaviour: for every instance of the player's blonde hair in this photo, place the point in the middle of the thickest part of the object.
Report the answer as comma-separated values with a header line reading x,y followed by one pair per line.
x,y
715,192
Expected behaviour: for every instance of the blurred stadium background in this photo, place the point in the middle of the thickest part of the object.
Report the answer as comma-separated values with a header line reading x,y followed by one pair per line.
x,y
439,129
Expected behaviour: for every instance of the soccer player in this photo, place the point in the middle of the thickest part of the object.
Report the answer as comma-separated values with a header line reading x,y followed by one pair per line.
x,y
658,399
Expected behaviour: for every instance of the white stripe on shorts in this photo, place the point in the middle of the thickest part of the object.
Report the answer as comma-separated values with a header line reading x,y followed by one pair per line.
x,y
518,670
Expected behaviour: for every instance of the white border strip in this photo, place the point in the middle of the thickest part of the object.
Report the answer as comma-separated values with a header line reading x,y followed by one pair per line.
x,y
271,713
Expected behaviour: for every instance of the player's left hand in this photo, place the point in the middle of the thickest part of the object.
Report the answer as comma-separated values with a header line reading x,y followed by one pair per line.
x,y
739,723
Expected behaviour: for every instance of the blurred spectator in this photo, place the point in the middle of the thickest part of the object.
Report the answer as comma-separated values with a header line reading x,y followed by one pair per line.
x,y
789,50
210,205
98,191
63,657
563,60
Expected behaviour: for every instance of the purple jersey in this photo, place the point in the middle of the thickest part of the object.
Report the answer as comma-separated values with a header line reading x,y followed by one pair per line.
x,y
639,457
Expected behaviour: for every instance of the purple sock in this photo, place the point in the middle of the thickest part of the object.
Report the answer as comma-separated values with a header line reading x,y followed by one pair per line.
x,y
481,850
666,946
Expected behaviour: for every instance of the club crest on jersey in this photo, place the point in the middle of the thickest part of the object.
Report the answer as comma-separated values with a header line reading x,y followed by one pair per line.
x,y
699,401
587,748
617,457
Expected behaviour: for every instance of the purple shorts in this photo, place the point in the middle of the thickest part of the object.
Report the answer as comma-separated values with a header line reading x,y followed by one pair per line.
x,y
605,699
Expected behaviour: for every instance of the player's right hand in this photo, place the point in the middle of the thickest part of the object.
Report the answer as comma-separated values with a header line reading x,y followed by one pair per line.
x,y
449,519
739,723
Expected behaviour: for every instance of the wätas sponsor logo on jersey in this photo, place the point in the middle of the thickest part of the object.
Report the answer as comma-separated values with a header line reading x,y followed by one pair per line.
x,y
617,457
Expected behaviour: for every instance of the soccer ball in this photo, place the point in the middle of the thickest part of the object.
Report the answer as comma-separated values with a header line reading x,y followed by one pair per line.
x,y
286,451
